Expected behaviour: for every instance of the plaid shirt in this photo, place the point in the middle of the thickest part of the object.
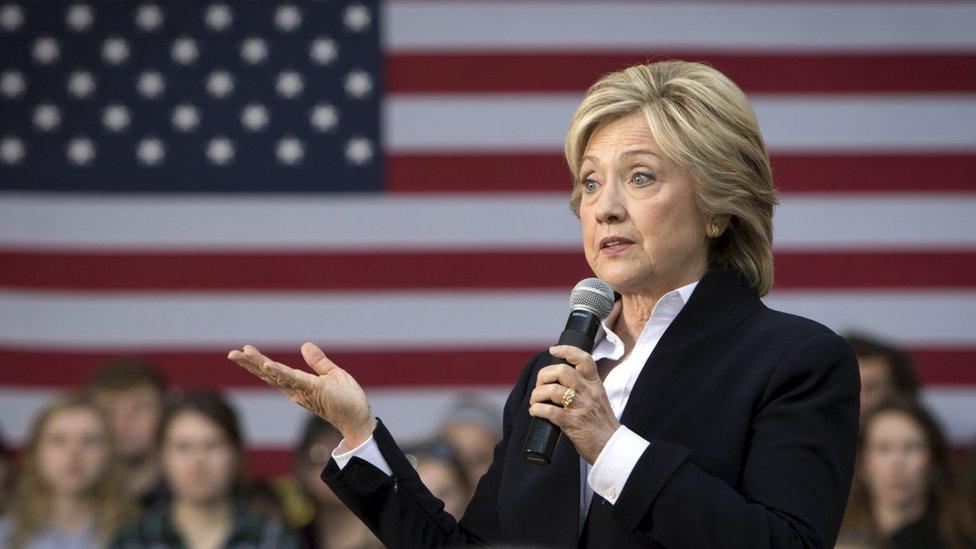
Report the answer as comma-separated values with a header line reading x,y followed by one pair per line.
x,y
156,531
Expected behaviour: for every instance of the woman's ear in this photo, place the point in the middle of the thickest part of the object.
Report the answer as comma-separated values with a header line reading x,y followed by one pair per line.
x,y
717,225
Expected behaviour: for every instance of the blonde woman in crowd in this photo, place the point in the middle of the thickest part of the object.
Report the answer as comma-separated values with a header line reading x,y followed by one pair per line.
x,y
70,493
905,493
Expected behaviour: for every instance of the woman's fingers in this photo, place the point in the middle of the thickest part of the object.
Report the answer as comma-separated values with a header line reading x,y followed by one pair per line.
x,y
563,374
550,393
316,359
577,357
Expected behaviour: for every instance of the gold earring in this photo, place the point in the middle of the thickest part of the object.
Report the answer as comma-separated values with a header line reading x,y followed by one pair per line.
x,y
714,231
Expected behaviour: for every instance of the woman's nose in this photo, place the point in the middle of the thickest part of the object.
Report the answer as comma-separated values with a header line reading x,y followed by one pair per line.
x,y
611,206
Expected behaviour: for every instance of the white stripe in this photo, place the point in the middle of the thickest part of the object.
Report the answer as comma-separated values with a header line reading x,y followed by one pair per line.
x,y
438,123
269,420
648,26
428,319
440,222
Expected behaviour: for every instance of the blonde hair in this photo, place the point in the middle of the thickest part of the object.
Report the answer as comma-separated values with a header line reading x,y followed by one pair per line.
x,y
108,496
703,122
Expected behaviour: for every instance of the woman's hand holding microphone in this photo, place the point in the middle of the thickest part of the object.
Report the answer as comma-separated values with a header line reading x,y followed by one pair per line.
x,y
331,393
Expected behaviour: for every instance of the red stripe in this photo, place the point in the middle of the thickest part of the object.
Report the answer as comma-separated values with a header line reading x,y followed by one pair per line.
x,y
759,72
793,173
403,368
315,271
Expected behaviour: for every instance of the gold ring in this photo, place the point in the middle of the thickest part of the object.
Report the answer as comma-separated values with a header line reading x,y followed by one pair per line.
x,y
568,396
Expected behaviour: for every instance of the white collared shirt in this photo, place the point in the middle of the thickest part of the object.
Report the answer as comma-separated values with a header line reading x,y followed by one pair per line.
x,y
608,474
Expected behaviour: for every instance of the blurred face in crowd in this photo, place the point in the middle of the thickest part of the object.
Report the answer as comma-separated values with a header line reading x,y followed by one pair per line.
x,y
442,481
73,451
310,466
135,415
199,461
876,382
474,444
896,459
642,228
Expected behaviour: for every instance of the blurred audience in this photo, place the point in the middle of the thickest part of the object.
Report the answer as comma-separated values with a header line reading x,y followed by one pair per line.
x,y
440,468
904,493
6,475
333,526
202,459
70,491
474,428
887,372
133,394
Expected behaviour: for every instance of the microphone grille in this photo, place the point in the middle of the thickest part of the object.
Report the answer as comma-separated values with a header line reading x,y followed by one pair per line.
x,y
594,295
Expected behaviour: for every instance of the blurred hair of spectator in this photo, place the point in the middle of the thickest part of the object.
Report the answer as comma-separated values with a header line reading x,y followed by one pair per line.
x,y
133,394
474,428
905,493
70,492
6,475
887,372
333,525
202,459
439,466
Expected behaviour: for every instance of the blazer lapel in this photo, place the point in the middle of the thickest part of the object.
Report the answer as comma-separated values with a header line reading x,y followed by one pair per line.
x,y
718,294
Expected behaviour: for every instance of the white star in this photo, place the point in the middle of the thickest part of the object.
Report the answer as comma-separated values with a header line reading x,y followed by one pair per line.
x,y
185,117
79,17
81,84
12,150
151,84
289,84
288,18
254,50
47,117
220,84
149,17
357,17
220,151
116,117
151,151
12,84
359,150
290,151
184,51
218,17
81,151
323,51
254,117
46,50
115,50
11,17
324,117
359,84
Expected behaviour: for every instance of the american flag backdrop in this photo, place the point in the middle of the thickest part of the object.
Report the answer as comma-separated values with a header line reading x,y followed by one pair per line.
x,y
386,179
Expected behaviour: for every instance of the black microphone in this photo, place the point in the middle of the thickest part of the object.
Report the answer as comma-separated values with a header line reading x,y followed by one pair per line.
x,y
590,302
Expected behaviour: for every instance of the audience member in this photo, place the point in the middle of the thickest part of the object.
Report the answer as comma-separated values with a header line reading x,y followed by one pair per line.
x,y
474,428
202,459
70,492
333,526
886,371
133,394
904,493
439,466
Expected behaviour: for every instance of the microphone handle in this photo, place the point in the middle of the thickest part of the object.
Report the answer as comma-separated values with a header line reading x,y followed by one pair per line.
x,y
540,442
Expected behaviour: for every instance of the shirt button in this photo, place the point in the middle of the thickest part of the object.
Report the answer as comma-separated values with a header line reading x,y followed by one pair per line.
x,y
612,493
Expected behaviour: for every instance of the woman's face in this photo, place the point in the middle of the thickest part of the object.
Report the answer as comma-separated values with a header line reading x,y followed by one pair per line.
x,y
310,467
73,451
442,481
896,461
642,229
199,462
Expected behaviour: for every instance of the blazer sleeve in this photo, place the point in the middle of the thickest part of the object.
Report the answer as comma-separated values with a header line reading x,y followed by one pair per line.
x,y
402,512
796,475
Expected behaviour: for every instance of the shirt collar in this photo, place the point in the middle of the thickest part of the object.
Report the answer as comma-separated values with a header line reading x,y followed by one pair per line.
x,y
609,345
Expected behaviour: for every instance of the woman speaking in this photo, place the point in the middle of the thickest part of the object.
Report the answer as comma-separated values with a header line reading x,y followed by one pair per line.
x,y
701,418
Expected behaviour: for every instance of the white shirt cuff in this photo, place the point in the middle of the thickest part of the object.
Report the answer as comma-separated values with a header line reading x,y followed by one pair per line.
x,y
368,450
613,466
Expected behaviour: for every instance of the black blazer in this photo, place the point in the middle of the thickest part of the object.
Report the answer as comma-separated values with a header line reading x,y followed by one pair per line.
x,y
752,416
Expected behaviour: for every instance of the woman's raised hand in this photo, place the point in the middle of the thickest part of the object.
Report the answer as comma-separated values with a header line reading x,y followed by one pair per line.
x,y
332,394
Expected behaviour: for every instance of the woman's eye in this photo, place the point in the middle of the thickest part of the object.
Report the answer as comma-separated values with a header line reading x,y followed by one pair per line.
x,y
589,185
641,179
